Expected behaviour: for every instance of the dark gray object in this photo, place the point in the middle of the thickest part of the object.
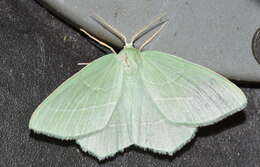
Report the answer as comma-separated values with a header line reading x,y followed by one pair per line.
x,y
216,34
256,45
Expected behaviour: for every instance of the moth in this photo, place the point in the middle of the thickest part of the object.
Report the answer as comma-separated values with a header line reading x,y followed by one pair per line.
x,y
150,99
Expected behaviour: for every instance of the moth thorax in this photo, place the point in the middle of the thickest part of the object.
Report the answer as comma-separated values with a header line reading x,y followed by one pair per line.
x,y
129,59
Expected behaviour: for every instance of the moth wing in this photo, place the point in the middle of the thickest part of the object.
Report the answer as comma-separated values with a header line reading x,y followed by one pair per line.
x,y
187,93
152,130
82,104
113,138
136,120
160,136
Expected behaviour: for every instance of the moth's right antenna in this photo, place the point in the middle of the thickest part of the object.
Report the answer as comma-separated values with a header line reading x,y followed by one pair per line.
x,y
103,22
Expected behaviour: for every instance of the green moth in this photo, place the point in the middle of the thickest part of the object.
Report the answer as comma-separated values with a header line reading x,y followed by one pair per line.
x,y
150,99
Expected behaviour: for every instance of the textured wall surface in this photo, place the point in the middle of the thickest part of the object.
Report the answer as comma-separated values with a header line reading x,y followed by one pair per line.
x,y
38,52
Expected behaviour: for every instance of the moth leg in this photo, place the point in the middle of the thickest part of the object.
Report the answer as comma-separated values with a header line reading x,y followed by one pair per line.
x,y
100,42
83,64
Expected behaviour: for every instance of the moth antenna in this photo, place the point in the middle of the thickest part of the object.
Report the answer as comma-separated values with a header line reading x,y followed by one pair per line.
x,y
153,36
103,22
141,32
97,40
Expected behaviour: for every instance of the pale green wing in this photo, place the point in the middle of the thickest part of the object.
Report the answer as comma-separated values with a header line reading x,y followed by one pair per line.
x,y
187,93
152,130
114,137
83,104
136,120
117,135
164,137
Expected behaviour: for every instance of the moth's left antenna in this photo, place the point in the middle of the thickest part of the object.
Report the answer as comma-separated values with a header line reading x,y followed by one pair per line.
x,y
153,36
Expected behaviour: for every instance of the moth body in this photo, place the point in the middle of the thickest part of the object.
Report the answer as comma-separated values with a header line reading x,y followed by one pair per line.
x,y
130,59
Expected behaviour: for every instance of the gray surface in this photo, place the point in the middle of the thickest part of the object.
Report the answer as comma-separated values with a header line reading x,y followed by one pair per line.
x,y
215,33
38,52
